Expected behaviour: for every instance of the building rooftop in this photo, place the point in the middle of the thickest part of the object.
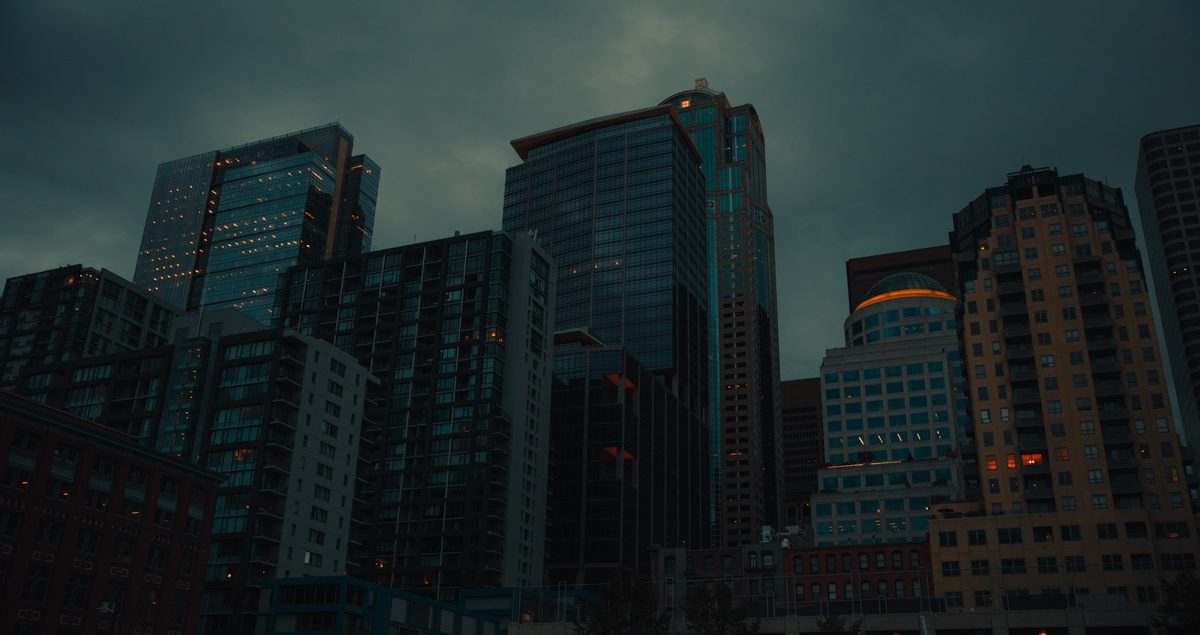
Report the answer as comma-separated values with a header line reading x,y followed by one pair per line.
x,y
906,284
525,144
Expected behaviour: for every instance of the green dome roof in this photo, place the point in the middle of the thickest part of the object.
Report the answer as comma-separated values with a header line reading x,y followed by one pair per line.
x,y
902,282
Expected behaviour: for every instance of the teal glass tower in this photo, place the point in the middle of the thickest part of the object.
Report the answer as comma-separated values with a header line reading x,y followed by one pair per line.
x,y
744,414
618,201
223,225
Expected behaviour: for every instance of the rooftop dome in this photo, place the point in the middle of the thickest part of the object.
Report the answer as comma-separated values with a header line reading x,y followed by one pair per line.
x,y
907,284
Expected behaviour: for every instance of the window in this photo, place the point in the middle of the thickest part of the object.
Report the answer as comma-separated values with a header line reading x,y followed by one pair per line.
x,y
947,539
1009,535
983,598
951,569
37,579
1012,566
1106,531
1111,562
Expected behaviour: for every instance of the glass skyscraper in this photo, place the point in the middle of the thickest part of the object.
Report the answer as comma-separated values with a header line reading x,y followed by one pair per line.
x,y
746,448
223,225
618,202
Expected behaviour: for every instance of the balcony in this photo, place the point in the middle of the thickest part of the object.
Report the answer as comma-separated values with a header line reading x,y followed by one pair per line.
x,y
1011,288
1123,437
1093,299
1109,389
281,440
289,397
278,465
1019,353
1014,309
1101,344
1097,322
273,486
1089,277
1114,415
1039,493
1086,260
292,356
1122,463
1126,486
1105,365
1007,268
1031,423
1021,374
1016,330
272,510
1025,397
1031,442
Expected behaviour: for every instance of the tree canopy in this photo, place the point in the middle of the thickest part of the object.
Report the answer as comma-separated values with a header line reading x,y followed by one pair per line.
x,y
630,608
711,612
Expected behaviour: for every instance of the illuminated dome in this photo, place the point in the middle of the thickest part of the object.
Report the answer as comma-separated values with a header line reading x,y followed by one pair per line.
x,y
904,285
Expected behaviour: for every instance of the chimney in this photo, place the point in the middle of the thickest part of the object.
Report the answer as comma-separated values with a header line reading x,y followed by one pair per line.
x,y
701,82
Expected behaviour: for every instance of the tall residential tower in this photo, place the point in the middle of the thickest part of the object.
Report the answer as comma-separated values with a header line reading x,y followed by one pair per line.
x,y
458,330
746,446
1083,485
223,225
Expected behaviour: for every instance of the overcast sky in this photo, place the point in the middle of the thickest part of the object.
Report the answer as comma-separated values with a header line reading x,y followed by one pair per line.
x,y
881,119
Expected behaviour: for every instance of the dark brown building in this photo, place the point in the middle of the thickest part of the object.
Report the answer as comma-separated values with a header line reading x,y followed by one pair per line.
x,y
97,534
800,407
268,409
774,579
862,273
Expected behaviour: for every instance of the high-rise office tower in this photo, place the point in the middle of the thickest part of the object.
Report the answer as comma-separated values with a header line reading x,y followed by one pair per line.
x,y
459,332
1168,193
863,273
72,312
801,430
1083,487
223,225
619,202
744,334
895,416
278,415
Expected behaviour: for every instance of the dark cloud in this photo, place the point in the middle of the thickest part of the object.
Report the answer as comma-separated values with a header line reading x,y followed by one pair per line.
x,y
882,119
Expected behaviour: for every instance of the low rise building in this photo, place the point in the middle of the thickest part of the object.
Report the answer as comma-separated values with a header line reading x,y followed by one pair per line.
x,y
97,534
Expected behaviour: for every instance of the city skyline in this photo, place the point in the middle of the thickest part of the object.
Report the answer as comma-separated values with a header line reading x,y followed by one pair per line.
x,y
963,101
